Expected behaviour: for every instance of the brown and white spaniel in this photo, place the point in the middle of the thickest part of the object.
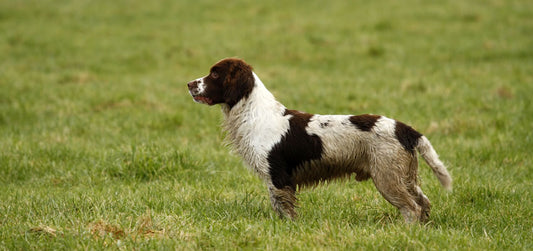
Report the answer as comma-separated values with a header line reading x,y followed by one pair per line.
x,y
290,149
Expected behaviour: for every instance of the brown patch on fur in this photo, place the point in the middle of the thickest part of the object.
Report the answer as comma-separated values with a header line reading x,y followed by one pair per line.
x,y
238,79
318,171
295,148
407,136
229,81
364,122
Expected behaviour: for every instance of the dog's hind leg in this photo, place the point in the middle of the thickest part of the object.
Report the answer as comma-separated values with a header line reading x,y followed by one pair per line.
x,y
424,204
411,180
283,201
390,185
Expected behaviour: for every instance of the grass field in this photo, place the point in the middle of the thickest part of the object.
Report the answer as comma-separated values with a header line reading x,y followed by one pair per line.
x,y
102,147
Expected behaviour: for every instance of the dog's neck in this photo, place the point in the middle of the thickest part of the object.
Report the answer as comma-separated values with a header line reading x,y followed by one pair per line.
x,y
259,100
255,124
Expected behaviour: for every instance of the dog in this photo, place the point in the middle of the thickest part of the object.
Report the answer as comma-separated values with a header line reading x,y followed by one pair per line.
x,y
290,149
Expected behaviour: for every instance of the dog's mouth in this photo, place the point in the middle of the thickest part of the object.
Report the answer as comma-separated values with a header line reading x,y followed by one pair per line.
x,y
202,99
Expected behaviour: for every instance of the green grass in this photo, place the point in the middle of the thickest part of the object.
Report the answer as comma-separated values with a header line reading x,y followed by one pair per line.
x,y
102,147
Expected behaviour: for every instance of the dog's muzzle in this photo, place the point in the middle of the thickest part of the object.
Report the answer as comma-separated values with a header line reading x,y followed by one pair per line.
x,y
196,89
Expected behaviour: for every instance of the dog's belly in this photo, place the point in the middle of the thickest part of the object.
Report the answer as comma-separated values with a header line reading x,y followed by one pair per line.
x,y
316,171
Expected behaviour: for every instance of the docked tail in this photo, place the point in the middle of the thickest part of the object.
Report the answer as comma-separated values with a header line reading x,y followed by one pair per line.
x,y
432,159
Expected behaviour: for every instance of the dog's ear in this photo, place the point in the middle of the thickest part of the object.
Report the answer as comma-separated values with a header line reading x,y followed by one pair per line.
x,y
239,82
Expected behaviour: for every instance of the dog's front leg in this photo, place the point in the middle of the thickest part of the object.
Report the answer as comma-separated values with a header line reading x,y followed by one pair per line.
x,y
283,201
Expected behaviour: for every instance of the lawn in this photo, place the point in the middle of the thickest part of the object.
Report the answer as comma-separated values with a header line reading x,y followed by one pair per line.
x,y
101,145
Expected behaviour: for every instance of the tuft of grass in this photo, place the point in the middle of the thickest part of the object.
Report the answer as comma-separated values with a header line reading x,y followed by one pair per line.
x,y
101,145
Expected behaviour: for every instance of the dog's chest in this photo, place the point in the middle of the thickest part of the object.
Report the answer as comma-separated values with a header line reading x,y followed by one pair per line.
x,y
254,135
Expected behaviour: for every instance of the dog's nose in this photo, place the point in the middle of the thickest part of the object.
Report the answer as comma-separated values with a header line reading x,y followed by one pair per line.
x,y
191,84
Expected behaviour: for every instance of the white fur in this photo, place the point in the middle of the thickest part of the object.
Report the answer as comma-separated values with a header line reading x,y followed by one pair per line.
x,y
432,158
199,89
385,126
340,138
201,85
255,125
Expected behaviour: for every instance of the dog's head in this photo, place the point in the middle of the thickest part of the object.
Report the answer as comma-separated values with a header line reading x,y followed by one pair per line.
x,y
228,81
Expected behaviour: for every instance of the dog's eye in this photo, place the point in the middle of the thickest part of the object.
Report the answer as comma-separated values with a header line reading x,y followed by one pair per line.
x,y
214,74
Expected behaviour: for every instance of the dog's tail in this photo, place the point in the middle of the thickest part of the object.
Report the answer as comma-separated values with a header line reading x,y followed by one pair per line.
x,y
432,159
